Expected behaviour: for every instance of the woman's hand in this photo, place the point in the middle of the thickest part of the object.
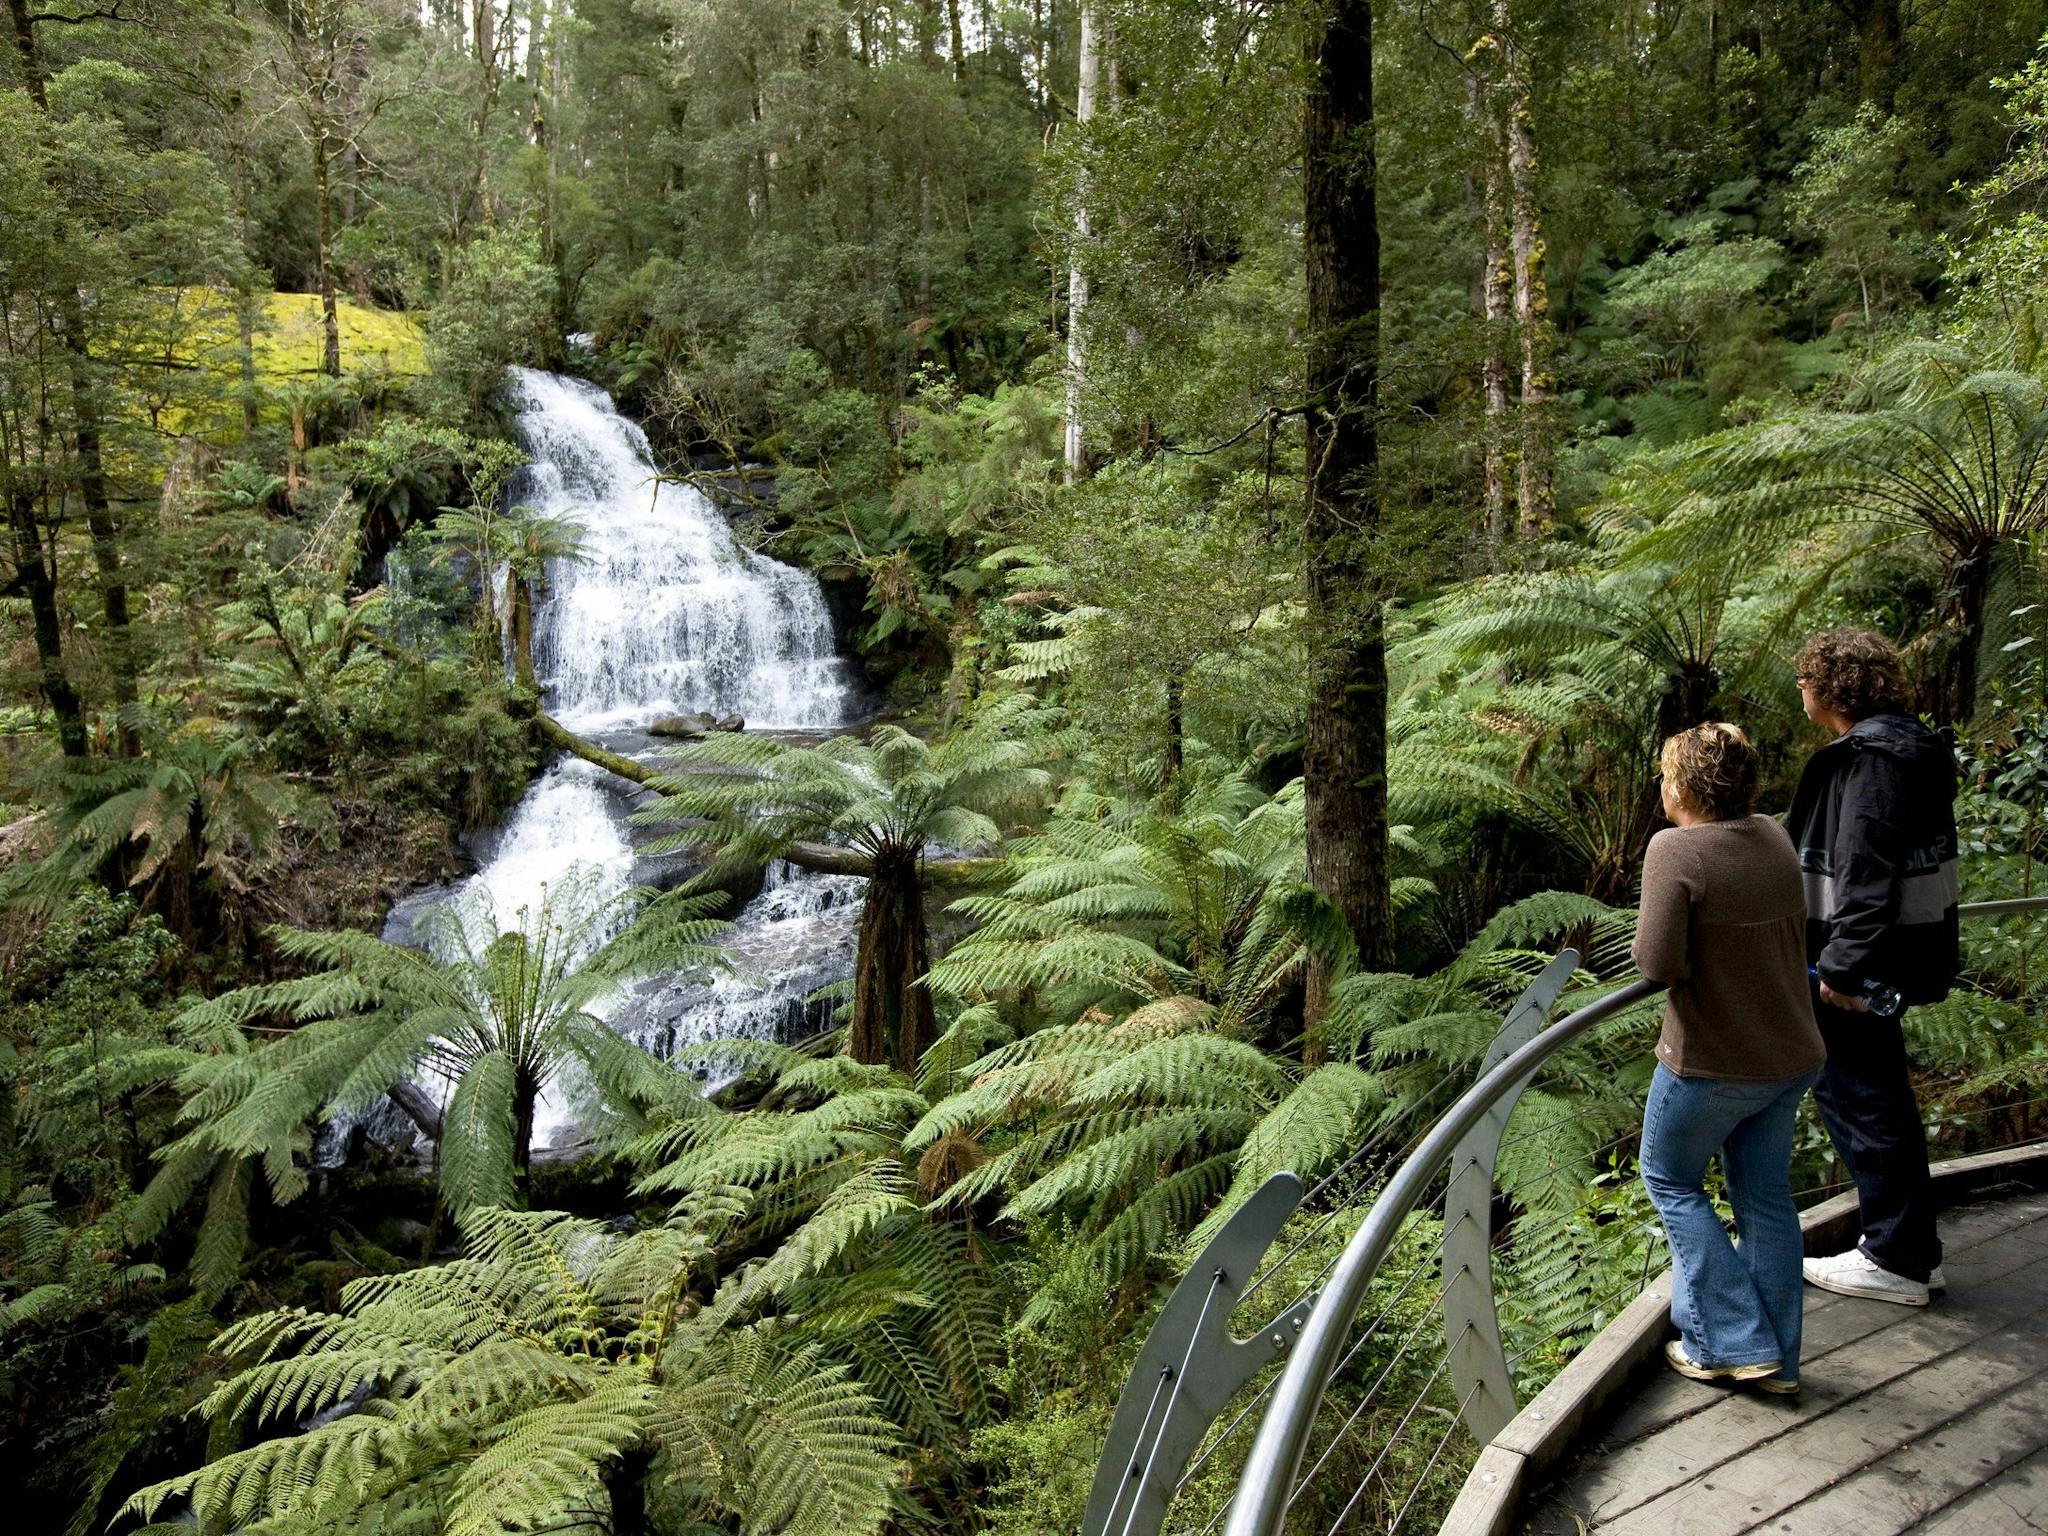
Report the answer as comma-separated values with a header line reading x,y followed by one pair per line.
x,y
1845,1001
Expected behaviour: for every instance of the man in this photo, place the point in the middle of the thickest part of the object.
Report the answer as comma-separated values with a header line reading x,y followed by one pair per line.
x,y
1874,822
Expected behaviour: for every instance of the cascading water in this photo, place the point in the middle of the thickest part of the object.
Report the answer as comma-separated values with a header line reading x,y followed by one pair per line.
x,y
665,614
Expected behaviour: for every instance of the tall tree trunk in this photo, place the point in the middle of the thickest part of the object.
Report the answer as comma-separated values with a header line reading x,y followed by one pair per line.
x,y
87,415
892,1010
245,292
323,197
1533,494
1077,277
958,42
1879,33
1496,285
1345,758
35,578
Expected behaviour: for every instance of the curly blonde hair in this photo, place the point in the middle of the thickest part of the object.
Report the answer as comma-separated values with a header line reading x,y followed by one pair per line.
x,y
1854,672
1713,769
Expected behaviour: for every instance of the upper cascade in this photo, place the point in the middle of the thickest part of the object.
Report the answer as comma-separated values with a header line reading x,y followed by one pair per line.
x,y
667,613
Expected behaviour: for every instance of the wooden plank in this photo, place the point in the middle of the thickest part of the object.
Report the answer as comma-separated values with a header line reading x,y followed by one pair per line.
x,y
1486,1504
1782,1473
1736,1425
1920,1479
1542,1430
1978,1257
1833,1323
2013,1503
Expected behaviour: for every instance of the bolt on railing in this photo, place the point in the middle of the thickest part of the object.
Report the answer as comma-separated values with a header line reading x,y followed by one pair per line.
x,y
1191,1367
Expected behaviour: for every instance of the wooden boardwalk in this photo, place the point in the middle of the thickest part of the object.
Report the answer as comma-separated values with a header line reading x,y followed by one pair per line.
x,y
1912,1419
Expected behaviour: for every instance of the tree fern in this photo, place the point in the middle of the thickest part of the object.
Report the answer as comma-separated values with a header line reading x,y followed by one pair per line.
x,y
500,1393
496,1014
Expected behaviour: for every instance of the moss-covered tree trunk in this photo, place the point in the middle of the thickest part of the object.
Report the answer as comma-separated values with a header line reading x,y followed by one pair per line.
x,y
892,1010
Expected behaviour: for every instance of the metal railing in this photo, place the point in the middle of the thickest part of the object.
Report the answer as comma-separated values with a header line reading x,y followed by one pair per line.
x,y
1402,1405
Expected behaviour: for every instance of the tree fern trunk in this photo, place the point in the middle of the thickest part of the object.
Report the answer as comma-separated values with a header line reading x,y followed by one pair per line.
x,y
1951,692
522,631
892,1010
1345,756
525,1092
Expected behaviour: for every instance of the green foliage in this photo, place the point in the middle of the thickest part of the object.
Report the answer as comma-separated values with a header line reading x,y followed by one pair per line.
x,y
500,1014
506,1390
496,308
186,827
753,796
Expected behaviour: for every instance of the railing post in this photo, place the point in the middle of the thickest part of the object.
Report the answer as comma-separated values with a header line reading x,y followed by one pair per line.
x,y
1478,1364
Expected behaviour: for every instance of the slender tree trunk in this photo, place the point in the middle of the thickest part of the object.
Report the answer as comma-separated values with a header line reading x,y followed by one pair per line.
x,y
323,197
35,578
245,292
1345,757
1533,495
1077,276
892,1010
956,39
522,631
1496,284
1176,740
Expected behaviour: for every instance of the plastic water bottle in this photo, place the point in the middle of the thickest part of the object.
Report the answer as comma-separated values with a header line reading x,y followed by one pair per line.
x,y
1878,998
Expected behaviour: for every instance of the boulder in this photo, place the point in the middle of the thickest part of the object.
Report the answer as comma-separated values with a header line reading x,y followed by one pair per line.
x,y
683,727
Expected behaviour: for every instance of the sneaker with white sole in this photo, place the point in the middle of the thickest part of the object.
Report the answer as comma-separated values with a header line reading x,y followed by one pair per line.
x,y
1685,1365
1855,1273
1937,1281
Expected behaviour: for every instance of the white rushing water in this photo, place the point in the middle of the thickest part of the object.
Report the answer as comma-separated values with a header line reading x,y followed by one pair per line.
x,y
669,613
666,615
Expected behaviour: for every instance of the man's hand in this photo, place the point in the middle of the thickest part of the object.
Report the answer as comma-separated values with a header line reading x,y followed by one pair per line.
x,y
1847,1002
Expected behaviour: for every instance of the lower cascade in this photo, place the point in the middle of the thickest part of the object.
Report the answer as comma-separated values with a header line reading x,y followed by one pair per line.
x,y
664,614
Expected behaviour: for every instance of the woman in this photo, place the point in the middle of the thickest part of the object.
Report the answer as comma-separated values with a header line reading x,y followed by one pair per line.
x,y
1723,924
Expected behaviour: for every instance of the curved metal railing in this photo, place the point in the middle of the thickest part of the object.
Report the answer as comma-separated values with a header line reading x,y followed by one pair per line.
x,y
1164,1436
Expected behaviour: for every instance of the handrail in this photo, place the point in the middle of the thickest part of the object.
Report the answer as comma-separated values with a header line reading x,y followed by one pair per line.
x,y
1268,1478
1266,1484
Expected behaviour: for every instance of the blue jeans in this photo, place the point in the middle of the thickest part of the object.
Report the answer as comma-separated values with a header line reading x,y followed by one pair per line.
x,y
1731,1306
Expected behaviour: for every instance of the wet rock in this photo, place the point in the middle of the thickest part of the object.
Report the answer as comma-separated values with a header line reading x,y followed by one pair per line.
x,y
683,727
729,723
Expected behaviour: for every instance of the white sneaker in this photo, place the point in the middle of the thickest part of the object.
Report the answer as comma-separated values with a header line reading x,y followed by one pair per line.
x,y
1937,1281
1855,1273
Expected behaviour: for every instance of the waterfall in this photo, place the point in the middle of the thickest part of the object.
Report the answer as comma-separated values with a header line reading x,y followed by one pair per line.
x,y
665,614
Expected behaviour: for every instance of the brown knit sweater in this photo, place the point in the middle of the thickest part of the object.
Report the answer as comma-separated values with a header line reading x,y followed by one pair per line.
x,y
1724,923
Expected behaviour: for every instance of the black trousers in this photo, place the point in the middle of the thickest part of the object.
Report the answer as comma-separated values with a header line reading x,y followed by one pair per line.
x,y
1866,1101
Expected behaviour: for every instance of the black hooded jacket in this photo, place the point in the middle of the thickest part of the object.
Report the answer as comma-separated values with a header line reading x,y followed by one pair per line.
x,y
1874,822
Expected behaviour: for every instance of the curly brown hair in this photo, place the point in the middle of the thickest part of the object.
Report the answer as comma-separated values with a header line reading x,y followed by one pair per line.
x,y
1854,672
1713,769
